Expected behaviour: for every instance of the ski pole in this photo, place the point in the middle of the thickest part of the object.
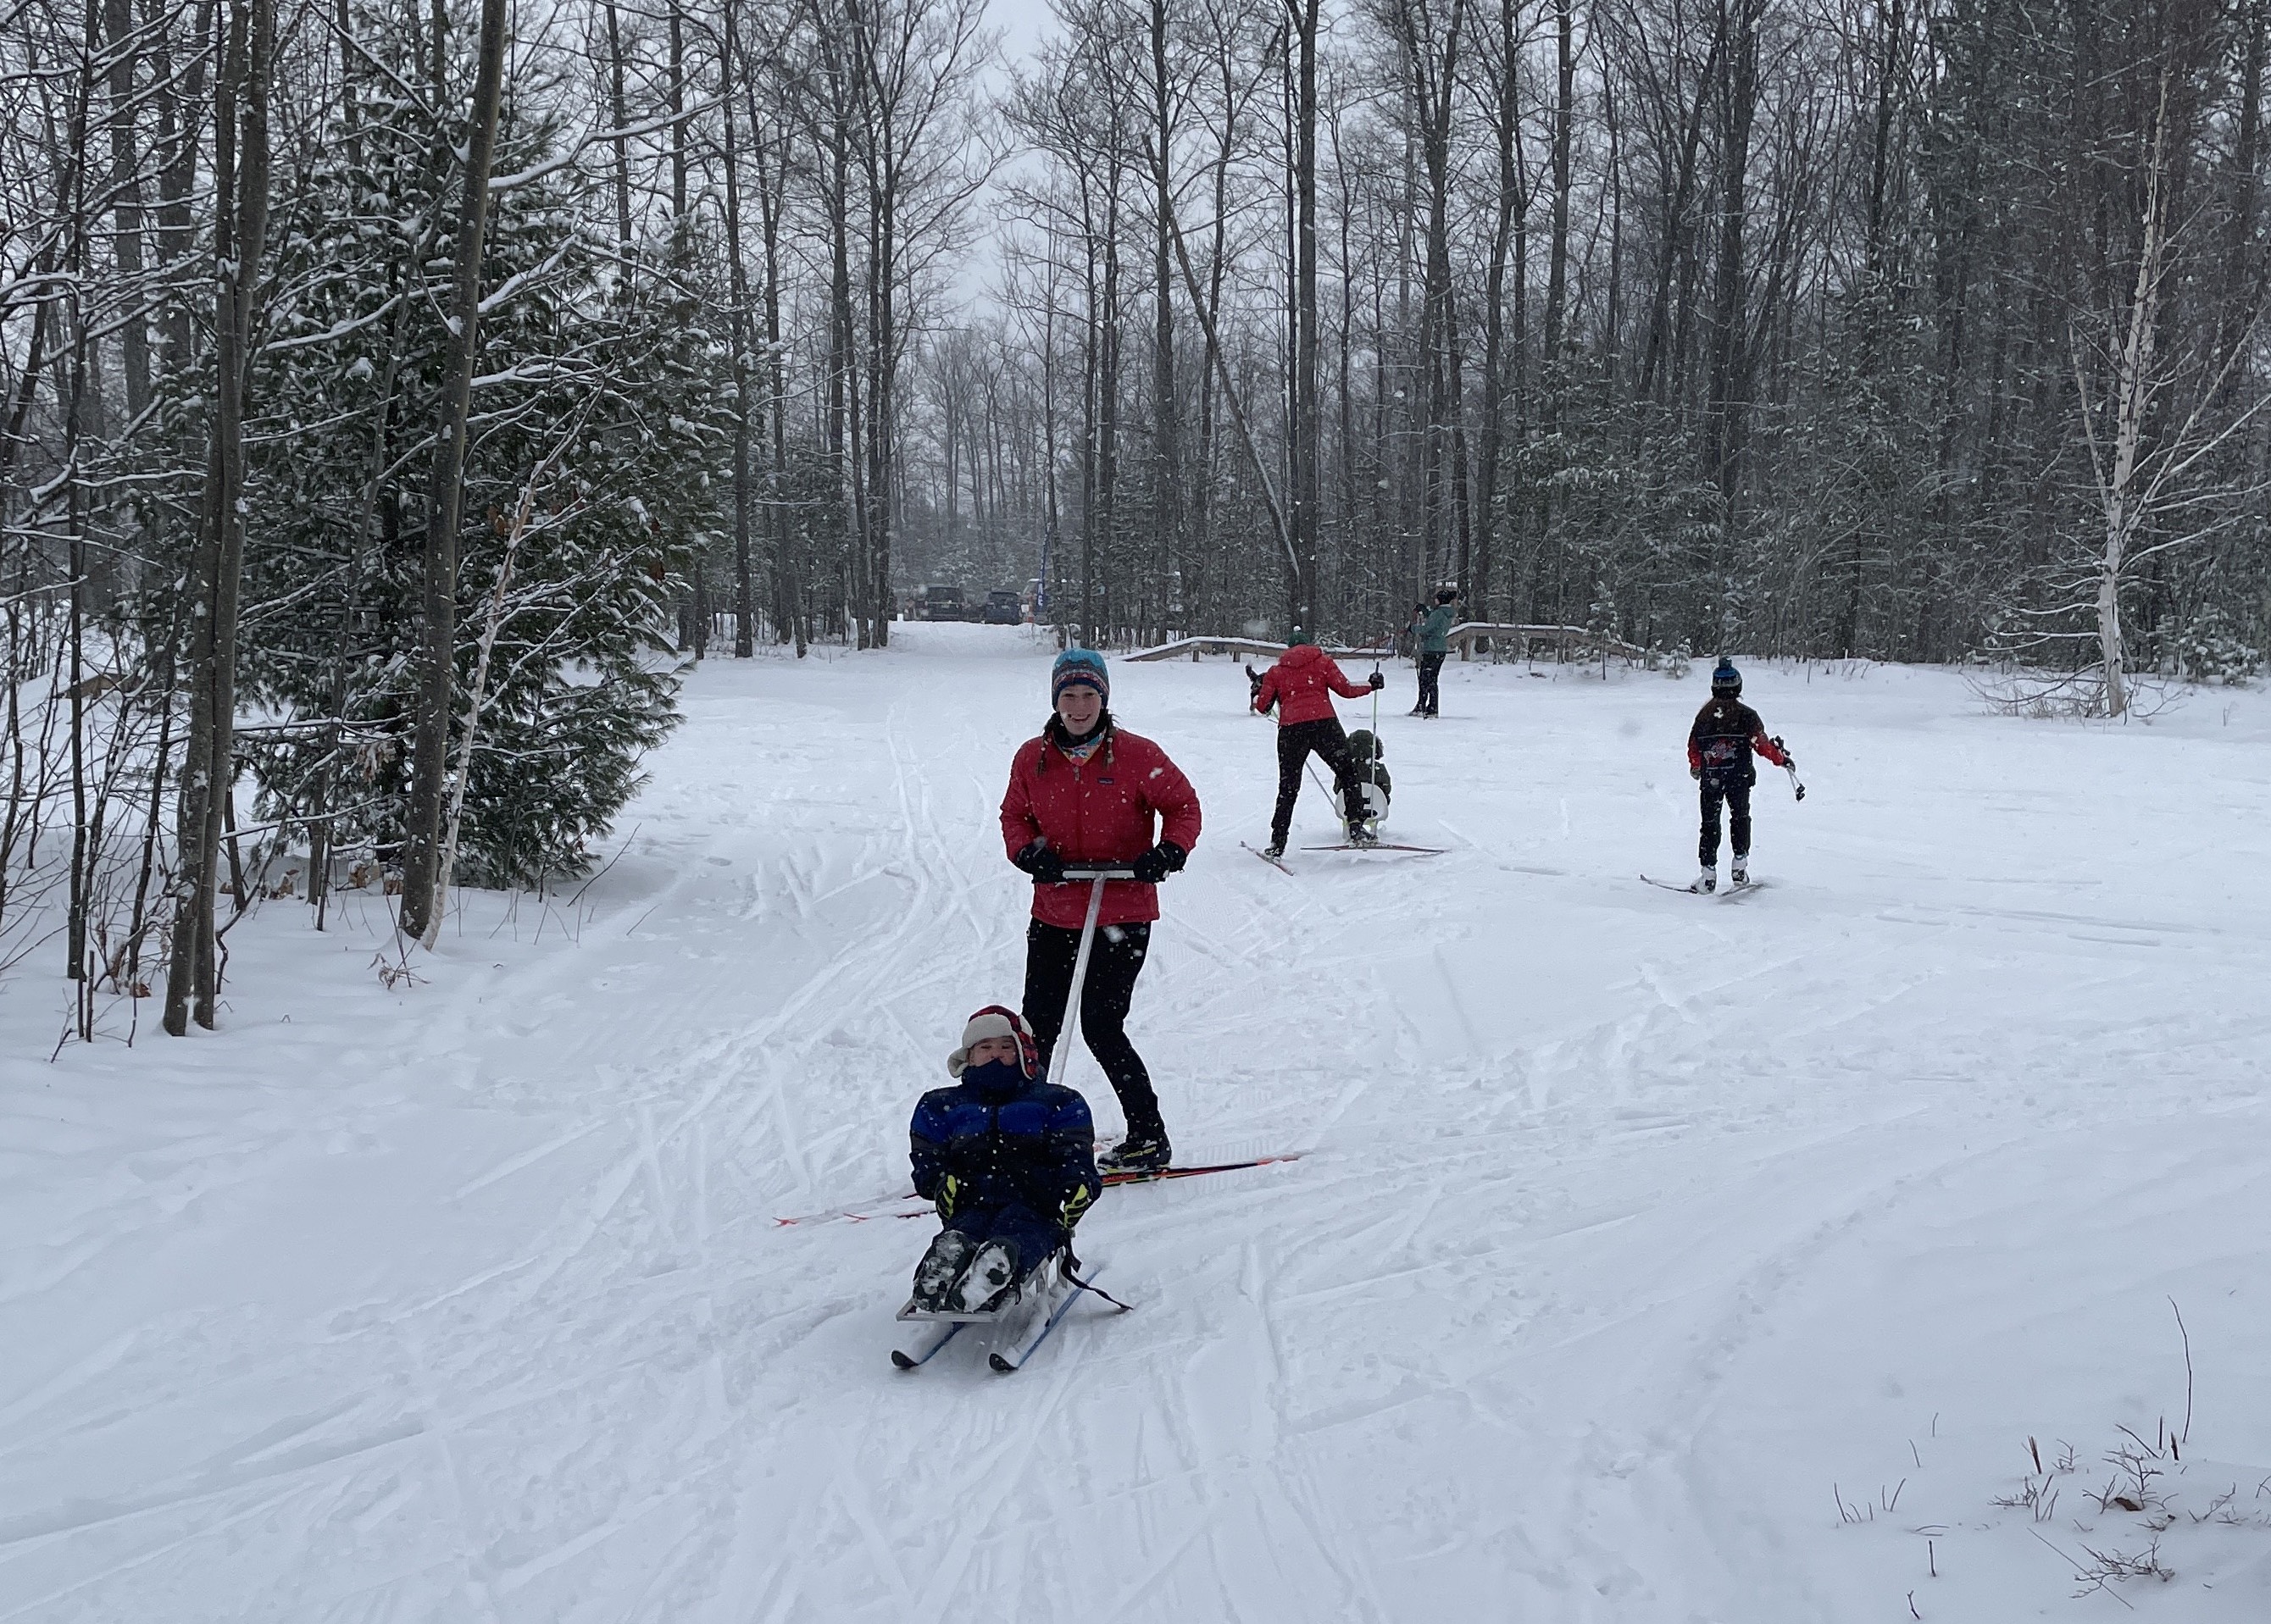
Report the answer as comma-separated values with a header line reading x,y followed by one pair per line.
x,y
1791,767
1066,1027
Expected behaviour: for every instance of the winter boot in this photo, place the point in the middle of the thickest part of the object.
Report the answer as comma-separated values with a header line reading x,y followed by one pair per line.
x,y
941,1266
989,1282
1740,874
1142,1150
1706,883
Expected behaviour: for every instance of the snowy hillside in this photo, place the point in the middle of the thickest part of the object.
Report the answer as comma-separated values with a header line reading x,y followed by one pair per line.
x,y
1651,1259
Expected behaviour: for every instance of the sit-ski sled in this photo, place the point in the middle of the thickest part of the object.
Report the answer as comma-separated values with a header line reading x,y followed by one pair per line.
x,y
1035,1310
1041,1300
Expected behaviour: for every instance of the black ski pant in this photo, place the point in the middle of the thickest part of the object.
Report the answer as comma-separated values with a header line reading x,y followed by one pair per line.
x,y
1295,741
1735,789
1431,672
1114,960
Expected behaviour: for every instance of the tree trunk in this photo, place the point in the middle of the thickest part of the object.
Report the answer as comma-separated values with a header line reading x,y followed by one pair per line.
x,y
1166,485
1301,464
240,175
619,111
745,607
421,908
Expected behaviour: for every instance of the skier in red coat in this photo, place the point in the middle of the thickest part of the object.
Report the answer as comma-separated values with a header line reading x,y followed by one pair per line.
x,y
1086,792
1301,687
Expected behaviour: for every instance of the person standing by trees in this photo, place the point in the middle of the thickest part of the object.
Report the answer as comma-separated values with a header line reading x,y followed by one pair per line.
x,y
1720,743
1431,642
1301,688
1085,793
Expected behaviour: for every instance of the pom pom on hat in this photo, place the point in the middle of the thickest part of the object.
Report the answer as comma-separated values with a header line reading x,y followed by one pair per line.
x,y
996,1020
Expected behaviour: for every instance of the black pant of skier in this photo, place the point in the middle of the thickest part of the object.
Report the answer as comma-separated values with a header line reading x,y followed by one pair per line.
x,y
1431,672
1114,960
1295,742
1735,789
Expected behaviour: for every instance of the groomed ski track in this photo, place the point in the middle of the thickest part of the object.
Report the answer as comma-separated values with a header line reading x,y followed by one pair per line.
x,y
1626,1228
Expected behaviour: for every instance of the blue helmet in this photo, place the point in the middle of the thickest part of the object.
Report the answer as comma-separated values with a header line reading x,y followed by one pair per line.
x,y
1726,679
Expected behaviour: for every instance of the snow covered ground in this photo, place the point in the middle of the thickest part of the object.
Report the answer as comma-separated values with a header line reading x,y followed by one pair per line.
x,y
1652,1258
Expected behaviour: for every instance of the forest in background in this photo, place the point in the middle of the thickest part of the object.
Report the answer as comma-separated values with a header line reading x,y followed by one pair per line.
x,y
395,399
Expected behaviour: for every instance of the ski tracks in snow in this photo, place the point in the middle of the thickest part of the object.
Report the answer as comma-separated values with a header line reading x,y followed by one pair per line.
x,y
1619,1224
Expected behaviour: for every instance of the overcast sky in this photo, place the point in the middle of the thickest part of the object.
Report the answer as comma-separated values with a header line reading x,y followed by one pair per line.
x,y
1021,23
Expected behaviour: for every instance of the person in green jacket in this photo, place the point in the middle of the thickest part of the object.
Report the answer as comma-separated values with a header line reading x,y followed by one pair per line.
x,y
1431,641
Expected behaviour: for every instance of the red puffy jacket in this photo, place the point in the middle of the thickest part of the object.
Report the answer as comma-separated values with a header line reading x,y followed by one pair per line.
x,y
1097,811
1298,684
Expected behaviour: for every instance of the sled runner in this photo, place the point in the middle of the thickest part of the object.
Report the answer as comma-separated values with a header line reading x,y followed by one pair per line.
x,y
1045,1297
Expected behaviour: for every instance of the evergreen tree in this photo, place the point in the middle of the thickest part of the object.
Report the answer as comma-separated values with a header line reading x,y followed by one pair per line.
x,y
597,380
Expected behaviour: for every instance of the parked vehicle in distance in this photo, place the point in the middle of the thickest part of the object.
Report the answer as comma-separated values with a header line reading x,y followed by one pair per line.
x,y
1004,608
944,604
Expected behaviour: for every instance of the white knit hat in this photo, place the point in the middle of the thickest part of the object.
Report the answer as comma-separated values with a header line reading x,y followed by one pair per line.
x,y
995,1020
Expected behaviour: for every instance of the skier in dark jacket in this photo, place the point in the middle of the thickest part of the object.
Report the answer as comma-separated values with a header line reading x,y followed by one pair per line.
x,y
1301,688
1011,1161
1431,645
1720,743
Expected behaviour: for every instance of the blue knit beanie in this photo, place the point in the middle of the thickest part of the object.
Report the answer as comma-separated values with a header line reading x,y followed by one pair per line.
x,y
1076,666
1726,679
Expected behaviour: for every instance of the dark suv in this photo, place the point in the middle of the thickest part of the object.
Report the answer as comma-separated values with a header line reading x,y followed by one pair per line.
x,y
1004,609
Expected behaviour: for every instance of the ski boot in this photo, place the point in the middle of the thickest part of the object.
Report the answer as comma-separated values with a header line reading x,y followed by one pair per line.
x,y
1138,1152
1275,849
1360,833
941,1267
1740,874
989,1283
1706,883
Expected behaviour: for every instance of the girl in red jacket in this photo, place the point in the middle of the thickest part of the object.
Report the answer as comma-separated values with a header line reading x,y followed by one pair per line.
x,y
1301,686
1086,793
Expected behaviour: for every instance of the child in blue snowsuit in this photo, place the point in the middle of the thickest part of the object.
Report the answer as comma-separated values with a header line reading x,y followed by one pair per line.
x,y
1011,1161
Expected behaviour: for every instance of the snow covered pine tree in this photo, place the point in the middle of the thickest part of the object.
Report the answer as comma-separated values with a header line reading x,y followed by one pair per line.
x,y
603,363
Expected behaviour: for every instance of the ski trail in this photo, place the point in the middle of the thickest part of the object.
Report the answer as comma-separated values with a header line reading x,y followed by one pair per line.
x,y
1629,1228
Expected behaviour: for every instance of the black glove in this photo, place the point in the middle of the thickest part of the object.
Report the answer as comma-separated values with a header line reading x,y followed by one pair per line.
x,y
1377,682
1157,863
1045,867
1696,773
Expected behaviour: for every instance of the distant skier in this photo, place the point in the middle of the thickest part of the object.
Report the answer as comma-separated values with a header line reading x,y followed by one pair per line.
x,y
1086,792
1301,687
1009,1160
1430,643
1719,746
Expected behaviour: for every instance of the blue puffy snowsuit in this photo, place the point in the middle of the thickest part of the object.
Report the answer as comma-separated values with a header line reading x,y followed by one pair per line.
x,y
1006,1157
